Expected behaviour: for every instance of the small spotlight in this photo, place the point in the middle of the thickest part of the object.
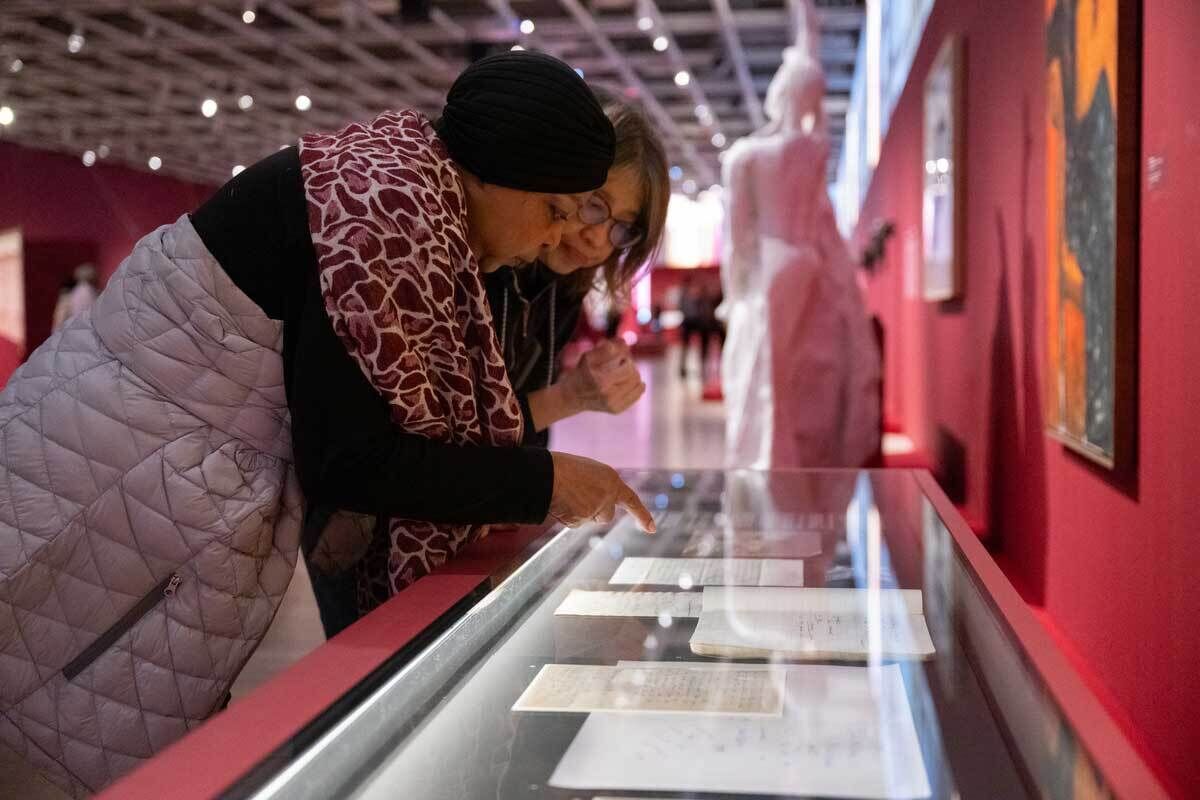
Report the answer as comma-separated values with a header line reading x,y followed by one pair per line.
x,y
103,151
703,112
682,78
645,24
89,158
248,16
75,42
245,102
689,186
718,139
676,172
516,48
16,65
7,115
661,43
303,102
238,169
931,166
527,26
209,107
943,165
154,163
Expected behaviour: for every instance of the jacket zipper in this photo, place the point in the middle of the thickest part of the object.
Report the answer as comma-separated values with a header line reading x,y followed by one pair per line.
x,y
107,639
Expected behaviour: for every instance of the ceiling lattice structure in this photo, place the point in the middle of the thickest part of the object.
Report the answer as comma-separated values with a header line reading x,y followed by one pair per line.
x,y
126,81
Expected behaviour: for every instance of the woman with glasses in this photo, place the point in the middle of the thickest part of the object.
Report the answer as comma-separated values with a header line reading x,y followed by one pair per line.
x,y
536,308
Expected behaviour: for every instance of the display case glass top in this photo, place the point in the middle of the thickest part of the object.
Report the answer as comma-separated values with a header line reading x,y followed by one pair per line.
x,y
783,634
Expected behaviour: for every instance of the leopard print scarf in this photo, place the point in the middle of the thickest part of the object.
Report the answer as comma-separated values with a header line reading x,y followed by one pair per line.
x,y
387,214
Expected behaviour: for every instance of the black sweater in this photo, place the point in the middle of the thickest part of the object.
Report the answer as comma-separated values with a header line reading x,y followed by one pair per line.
x,y
534,317
348,453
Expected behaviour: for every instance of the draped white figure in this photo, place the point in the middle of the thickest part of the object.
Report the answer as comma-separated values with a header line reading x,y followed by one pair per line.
x,y
800,367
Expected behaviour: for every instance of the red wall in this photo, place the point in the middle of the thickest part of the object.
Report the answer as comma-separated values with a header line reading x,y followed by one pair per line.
x,y
1112,567
69,213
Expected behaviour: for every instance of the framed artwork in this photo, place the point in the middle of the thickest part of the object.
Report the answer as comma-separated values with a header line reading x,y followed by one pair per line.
x,y
942,200
12,289
1092,155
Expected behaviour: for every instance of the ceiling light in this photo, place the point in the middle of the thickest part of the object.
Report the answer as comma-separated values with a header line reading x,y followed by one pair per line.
x,y
89,158
718,139
6,116
303,102
689,186
526,26
661,43
248,16
16,65
931,166
645,23
209,107
75,42
237,169
702,112
943,165
676,172
517,48
155,162
245,102
102,151
682,78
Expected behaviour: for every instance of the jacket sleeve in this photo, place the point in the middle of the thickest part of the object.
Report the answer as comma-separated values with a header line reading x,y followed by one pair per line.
x,y
349,454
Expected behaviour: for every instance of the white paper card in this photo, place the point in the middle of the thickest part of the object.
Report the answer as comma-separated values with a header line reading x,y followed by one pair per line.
x,y
845,732
671,688
811,624
754,598
584,603
688,572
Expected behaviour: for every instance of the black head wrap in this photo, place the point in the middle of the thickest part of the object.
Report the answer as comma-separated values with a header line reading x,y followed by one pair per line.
x,y
527,121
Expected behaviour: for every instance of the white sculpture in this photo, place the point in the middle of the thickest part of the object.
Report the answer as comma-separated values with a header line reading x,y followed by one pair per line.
x,y
800,368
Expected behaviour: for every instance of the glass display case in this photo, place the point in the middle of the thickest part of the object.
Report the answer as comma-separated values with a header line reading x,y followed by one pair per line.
x,y
983,707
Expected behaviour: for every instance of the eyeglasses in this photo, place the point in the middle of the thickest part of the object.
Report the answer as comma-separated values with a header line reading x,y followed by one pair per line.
x,y
621,235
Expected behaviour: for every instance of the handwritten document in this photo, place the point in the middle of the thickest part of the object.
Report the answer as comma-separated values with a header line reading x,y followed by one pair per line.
x,y
583,603
845,732
673,689
688,572
814,624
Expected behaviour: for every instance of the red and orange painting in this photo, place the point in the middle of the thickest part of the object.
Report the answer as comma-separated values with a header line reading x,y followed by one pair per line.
x,y
1086,254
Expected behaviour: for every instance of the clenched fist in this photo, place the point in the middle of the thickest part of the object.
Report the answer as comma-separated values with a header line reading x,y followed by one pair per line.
x,y
605,380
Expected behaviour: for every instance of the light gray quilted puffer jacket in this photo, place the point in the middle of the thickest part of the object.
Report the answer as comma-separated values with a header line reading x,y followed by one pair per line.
x,y
149,514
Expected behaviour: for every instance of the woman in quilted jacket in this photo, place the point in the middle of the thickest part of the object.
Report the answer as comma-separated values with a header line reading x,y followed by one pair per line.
x,y
317,331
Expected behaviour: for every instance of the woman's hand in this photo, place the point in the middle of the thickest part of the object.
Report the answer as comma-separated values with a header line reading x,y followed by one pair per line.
x,y
588,491
605,380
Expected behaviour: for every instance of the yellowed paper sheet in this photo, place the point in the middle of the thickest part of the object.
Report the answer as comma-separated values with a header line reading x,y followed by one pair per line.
x,y
675,689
